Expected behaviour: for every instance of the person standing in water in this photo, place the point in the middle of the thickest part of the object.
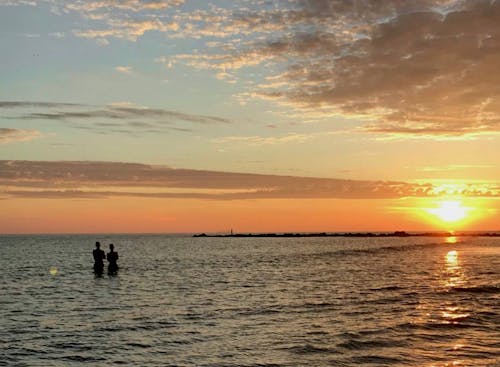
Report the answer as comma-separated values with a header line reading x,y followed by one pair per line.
x,y
99,257
112,257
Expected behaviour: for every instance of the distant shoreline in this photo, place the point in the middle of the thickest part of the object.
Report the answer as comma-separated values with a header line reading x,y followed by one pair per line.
x,y
355,234
494,233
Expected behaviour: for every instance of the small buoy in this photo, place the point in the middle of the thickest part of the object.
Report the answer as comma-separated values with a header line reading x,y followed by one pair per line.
x,y
53,270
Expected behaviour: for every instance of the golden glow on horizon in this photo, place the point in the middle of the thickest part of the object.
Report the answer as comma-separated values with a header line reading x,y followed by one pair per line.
x,y
147,215
454,213
450,211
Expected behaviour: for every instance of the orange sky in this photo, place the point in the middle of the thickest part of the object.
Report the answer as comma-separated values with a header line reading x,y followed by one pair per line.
x,y
193,216
192,116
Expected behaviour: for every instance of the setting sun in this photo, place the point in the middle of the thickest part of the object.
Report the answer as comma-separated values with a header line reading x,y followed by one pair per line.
x,y
449,211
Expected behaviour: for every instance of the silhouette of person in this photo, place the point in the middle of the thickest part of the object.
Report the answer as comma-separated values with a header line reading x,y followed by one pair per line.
x,y
112,257
99,257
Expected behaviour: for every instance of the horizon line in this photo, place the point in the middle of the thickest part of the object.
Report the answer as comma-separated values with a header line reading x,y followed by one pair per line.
x,y
250,233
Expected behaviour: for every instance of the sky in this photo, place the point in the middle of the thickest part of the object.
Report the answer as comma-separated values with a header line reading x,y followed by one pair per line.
x,y
158,116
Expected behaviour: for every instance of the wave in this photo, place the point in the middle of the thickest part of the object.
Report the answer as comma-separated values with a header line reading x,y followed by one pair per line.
x,y
378,360
284,309
308,349
83,359
74,346
492,289
387,288
138,345
354,344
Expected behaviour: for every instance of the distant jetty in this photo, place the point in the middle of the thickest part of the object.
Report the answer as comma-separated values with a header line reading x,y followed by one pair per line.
x,y
357,234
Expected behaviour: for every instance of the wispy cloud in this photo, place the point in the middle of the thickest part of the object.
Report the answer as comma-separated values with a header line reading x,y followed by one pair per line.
x,y
133,5
124,69
127,29
18,2
257,140
119,118
8,135
122,19
62,179
264,140
36,104
57,35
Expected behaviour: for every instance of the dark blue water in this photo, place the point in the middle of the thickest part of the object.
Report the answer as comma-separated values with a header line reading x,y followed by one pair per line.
x,y
251,302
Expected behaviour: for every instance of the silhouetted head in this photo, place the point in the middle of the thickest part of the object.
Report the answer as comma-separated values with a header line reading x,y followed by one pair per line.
x,y
111,246
97,244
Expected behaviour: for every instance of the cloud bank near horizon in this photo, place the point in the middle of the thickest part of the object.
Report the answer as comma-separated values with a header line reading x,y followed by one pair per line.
x,y
97,180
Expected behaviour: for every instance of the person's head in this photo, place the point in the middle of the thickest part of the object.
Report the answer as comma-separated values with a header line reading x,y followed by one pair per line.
x,y
111,246
97,245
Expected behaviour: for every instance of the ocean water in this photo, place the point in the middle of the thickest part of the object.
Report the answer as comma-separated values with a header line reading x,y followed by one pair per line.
x,y
180,301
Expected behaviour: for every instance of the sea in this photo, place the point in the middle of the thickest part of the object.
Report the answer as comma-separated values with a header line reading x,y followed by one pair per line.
x,y
183,301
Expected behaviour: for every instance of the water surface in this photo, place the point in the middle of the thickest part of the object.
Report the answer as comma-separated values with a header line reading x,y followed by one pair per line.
x,y
251,302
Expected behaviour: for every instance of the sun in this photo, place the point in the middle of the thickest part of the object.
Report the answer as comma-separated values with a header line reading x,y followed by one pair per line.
x,y
449,211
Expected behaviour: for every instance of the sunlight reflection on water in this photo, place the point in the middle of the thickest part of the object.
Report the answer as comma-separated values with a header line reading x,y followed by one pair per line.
x,y
452,259
454,275
451,239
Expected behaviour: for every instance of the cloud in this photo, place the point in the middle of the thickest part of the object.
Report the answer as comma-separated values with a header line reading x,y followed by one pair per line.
x,y
124,69
416,68
61,179
122,19
102,42
18,3
57,35
127,29
128,19
132,5
114,111
412,68
29,104
15,135
121,118
256,140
